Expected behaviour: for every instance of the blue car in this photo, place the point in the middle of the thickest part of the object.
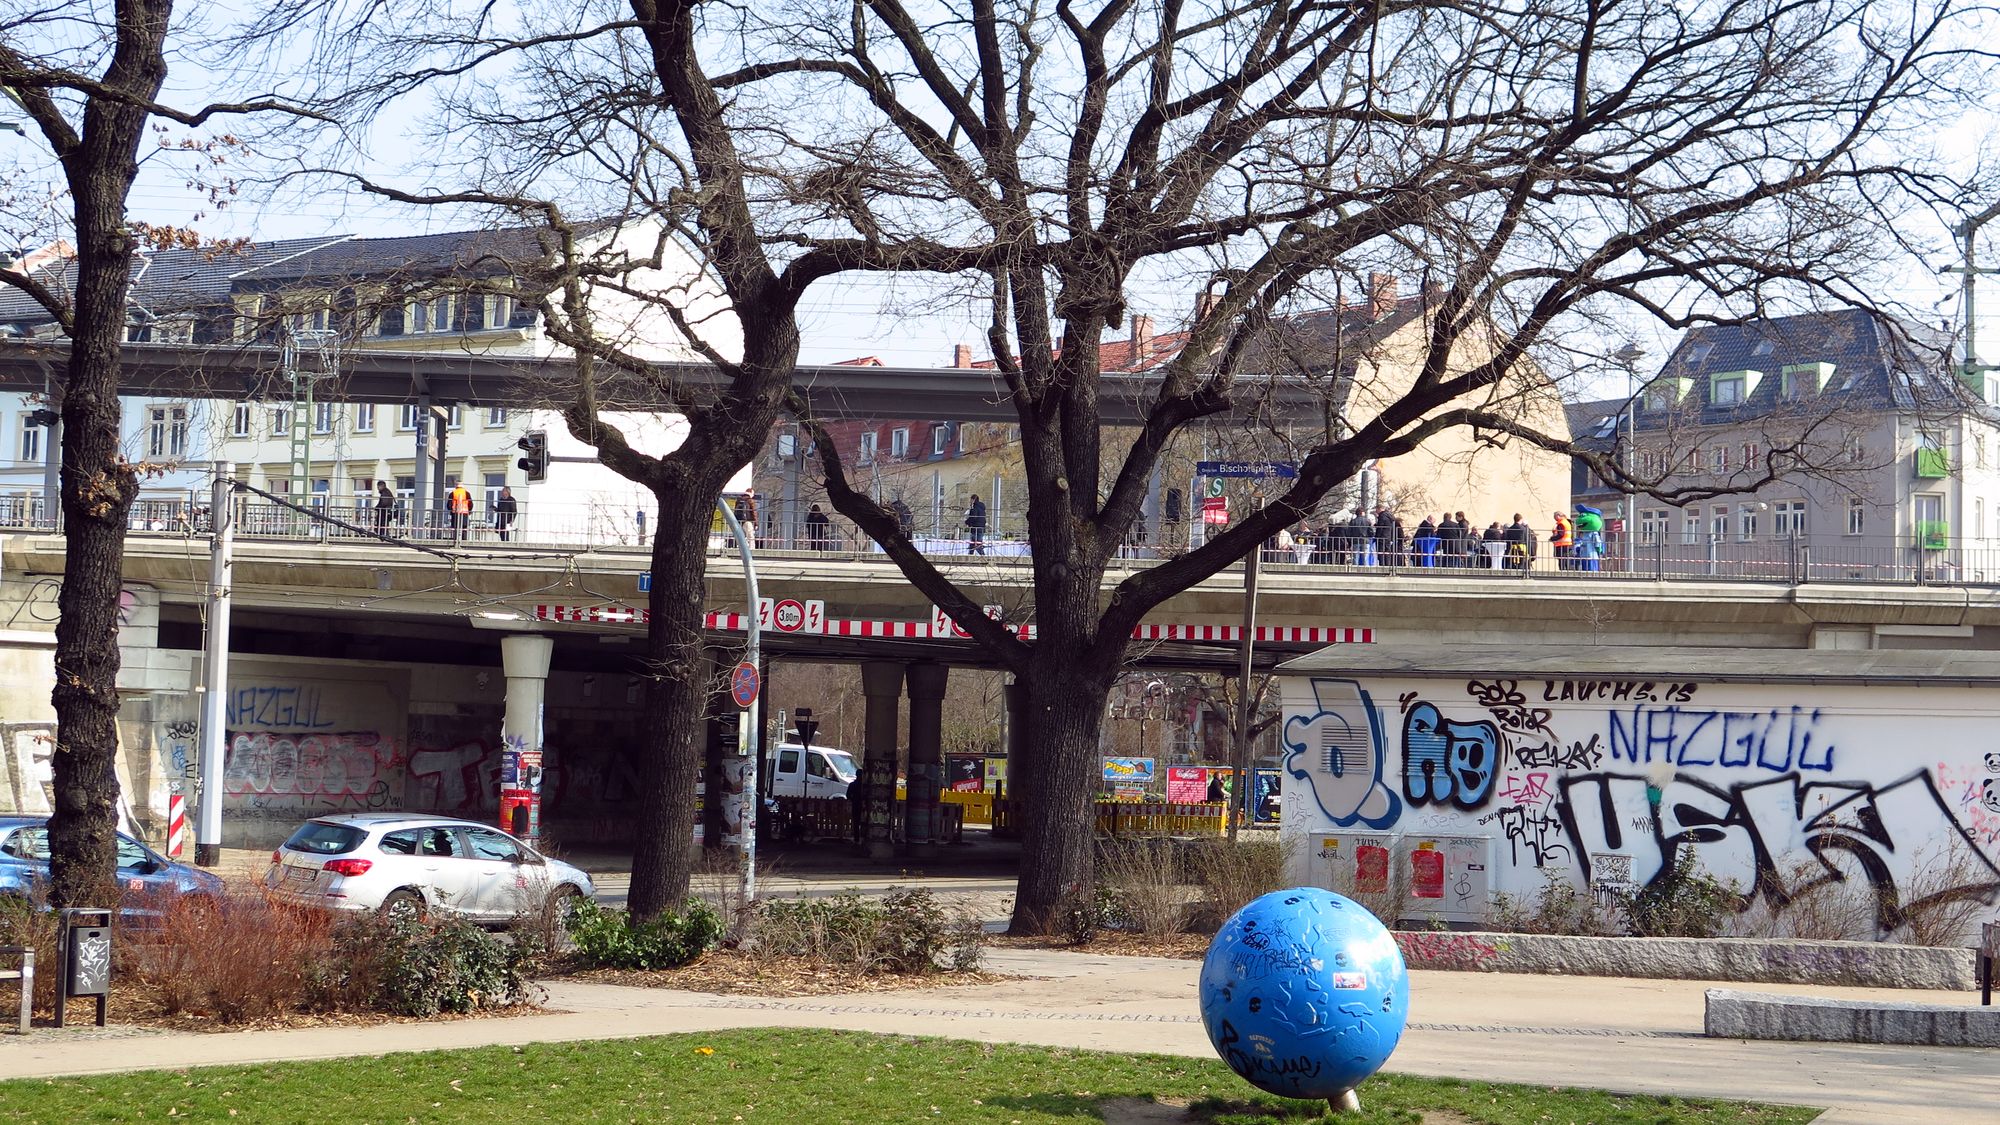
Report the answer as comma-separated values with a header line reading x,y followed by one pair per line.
x,y
147,880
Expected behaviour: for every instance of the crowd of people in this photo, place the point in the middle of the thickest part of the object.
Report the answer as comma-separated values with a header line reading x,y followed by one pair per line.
x,y
1354,538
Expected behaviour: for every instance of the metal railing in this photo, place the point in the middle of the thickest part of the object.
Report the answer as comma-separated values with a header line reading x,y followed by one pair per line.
x,y
1789,561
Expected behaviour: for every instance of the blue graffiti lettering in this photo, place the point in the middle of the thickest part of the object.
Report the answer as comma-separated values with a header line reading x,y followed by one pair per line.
x,y
1774,740
286,708
1447,760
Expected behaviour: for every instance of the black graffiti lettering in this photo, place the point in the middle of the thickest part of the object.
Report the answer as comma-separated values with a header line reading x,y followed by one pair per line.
x,y
1790,827
1553,755
1539,831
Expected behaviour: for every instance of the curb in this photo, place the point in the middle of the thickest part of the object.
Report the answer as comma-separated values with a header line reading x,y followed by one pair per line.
x,y
1729,1014
1858,964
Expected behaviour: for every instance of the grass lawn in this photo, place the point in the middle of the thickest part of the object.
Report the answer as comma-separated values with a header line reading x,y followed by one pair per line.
x,y
797,1078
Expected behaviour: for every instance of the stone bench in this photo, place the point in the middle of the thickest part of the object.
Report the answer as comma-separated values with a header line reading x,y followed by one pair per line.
x,y
1731,1014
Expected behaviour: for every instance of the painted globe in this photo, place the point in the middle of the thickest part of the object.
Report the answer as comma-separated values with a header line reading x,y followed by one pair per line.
x,y
1304,993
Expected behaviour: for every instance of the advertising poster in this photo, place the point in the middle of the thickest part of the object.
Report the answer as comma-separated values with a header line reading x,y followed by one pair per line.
x,y
964,773
1187,784
1129,771
996,774
1265,796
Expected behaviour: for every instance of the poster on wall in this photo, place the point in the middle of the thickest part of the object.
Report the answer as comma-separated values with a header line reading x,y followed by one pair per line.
x,y
1187,784
1266,793
1478,786
996,774
965,773
1129,771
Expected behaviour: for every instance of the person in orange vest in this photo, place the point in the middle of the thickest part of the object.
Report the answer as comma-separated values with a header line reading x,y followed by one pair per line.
x,y
459,500
1563,540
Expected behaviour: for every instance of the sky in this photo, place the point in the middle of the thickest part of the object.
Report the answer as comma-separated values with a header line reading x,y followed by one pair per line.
x,y
900,321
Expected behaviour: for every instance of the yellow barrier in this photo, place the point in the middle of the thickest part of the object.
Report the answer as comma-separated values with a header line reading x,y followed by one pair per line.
x,y
978,806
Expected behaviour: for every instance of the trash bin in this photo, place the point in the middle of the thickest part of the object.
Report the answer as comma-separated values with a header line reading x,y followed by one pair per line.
x,y
83,958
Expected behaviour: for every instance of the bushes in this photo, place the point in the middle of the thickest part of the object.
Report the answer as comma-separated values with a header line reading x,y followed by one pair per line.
x,y
1233,873
610,939
1144,879
1682,901
907,931
24,922
241,958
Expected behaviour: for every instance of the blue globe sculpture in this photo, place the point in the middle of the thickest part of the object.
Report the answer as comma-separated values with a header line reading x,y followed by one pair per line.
x,y
1304,993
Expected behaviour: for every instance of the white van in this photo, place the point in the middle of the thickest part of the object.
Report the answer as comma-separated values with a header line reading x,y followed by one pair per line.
x,y
820,771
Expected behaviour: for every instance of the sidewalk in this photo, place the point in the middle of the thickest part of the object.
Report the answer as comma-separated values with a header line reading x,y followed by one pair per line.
x,y
1640,1036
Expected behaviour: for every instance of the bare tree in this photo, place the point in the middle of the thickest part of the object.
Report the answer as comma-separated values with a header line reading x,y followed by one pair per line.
x,y
1533,167
88,77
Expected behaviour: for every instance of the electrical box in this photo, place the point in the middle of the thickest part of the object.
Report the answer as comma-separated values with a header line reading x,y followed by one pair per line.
x,y
1418,878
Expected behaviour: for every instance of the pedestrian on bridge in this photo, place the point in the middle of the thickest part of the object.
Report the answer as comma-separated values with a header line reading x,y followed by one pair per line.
x,y
975,527
385,506
459,501
505,509
819,530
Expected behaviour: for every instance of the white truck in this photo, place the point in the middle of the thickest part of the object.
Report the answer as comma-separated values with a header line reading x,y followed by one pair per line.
x,y
818,771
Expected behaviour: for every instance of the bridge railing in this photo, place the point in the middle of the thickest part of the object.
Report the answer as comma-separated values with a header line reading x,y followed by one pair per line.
x,y
1789,561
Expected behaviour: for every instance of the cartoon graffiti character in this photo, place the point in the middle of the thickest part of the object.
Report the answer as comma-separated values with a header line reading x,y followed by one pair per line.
x,y
1447,760
1993,762
1337,751
1989,794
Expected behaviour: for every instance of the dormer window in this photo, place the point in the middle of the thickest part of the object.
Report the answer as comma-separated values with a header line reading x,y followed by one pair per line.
x,y
940,440
1725,390
868,448
1803,380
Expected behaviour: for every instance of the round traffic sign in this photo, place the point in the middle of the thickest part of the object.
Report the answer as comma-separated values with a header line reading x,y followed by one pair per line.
x,y
743,684
788,616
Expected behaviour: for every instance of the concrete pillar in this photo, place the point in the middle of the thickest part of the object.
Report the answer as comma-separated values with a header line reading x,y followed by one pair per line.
x,y
920,809
882,691
1017,726
420,493
525,659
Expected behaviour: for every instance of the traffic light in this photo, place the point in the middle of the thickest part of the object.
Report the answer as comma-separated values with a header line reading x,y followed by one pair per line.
x,y
536,464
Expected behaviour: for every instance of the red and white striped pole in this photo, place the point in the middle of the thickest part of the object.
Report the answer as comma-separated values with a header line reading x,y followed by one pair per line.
x,y
176,825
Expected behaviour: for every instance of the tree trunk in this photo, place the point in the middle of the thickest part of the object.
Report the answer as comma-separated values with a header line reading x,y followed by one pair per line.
x,y
97,484
1056,789
677,687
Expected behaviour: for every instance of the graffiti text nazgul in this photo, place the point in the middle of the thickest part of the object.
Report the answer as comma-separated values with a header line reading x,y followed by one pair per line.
x,y
1775,740
282,708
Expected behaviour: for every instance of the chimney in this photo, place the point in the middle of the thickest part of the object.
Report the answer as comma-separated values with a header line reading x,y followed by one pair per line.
x,y
1381,295
1142,338
961,355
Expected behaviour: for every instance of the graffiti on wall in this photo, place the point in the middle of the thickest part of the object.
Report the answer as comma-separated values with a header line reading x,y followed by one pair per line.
x,y
26,752
310,770
1610,780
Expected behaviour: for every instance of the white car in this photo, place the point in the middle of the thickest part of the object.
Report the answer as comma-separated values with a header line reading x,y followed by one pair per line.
x,y
398,863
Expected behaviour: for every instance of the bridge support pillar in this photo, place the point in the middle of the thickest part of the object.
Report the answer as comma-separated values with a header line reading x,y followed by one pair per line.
x,y
882,691
920,807
1016,694
524,657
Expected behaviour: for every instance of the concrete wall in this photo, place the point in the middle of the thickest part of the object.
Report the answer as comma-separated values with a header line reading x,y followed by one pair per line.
x,y
1782,789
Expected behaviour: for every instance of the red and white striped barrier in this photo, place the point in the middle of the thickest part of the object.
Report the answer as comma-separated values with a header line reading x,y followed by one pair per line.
x,y
177,823
924,630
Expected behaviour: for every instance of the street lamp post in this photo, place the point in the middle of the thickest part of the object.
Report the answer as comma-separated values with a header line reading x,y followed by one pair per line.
x,y
746,725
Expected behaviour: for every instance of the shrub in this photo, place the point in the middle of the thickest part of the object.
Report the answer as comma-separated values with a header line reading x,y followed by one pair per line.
x,y
1559,907
1682,901
24,921
1234,873
409,967
236,958
611,939
907,931
1144,878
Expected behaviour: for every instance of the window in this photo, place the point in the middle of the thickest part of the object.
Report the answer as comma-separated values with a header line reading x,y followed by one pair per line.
x,y
1753,454
867,456
407,420
390,322
1746,522
239,421
1718,459
1993,389
490,845
31,442
1691,526
940,440
1652,527
471,313
167,431
1978,518
322,490
406,487
1718,522
1699,353
364,417
1931,530
1726,390
457,420
422,841
281,421
494,483
1791,518
323,417
1855,450
788,762
1653,400
1856,515
432,314
899,443
496,415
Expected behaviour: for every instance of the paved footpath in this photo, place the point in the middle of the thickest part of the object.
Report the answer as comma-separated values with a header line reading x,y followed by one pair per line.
x,y
1628,1035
